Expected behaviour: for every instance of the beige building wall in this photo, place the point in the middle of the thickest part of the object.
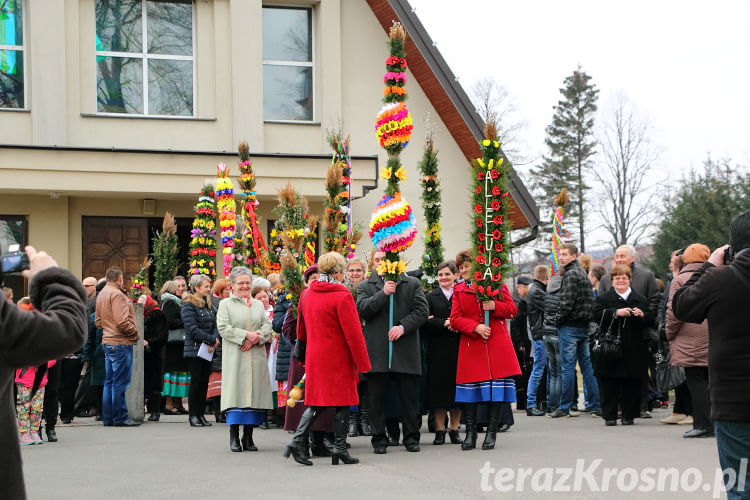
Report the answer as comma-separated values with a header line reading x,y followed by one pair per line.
x,y
349,53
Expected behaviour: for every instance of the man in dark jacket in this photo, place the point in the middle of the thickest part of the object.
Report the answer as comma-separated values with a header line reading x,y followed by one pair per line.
x,y
576,306
410,312
535,313
721,293
55,329
519,335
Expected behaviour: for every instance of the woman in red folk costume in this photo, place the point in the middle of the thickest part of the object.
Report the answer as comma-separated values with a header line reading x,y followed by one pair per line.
x,y
335,352
486,358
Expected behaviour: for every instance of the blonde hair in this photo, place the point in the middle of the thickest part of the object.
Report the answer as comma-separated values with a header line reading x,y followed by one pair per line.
x,y
331,262
168,287
541,272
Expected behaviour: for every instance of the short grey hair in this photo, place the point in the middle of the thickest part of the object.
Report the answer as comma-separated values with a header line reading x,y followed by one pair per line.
x,y
239,271
260,282
197,280
629,248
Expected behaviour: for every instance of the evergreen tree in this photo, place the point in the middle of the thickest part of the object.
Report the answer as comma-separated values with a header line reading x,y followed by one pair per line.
x,y
701,210
165,252
570,139
433,244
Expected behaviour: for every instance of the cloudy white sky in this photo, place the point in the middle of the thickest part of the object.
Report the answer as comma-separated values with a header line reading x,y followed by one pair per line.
x,y
683,65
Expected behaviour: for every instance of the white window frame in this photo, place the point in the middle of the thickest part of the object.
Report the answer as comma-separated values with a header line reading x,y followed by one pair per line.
x,y
22,48
311,64
145,56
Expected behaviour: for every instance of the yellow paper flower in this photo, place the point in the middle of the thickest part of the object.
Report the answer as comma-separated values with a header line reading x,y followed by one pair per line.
x,y
486,142
385,173
480,162
496,144
401,174
491,163
273,233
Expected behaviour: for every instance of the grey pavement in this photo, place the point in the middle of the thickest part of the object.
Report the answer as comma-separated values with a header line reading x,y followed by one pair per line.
x,y
170,460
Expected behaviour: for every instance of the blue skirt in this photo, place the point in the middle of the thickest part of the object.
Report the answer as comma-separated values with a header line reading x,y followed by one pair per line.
x,y
500,389
246,417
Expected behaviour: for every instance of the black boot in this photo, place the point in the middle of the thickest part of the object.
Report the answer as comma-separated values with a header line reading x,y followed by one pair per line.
x,y
298,445
234,438
205,422
353,425
51,434
470,417
455,437
364,414
247,438
319,448
439,437
492,425
340,424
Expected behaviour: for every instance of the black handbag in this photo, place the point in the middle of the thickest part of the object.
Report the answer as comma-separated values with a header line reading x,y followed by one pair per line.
x,y
176,336
300,346
608,345
666,376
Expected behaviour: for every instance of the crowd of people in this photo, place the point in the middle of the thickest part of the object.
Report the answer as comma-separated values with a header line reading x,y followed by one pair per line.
x,y
375,356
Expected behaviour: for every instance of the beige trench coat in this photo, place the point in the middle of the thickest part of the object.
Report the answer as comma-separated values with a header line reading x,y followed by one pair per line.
x,y
245,381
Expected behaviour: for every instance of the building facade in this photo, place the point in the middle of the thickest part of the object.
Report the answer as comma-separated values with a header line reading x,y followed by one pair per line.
x,y
115,111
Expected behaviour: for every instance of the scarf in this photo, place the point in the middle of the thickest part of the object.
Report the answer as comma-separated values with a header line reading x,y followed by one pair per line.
x,y
327,278
172,297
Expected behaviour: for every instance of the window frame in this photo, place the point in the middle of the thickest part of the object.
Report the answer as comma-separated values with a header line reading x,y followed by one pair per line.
x,y
21,48
145,56
312,64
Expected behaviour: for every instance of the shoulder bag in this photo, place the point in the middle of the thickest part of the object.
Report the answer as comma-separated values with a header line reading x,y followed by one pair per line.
x,y
176,336
608,345
666,376
300,346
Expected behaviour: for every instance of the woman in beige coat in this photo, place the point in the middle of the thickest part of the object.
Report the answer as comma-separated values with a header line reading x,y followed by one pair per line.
x,y
688,345
245,386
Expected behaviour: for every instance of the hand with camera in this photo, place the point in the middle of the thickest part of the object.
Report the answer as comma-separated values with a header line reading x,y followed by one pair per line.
x,y
721,256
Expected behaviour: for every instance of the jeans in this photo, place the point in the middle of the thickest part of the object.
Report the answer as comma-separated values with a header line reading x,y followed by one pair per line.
x,y
733,442
118,365
537,370
554,367
574,346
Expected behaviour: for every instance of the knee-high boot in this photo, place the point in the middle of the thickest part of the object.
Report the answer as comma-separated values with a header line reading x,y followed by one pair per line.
x,y
340,425
247,438
470,417
298,444
353,425
234,438
364,410
494,421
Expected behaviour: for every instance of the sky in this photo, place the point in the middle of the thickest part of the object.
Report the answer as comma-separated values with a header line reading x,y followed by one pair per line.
x,y
683,66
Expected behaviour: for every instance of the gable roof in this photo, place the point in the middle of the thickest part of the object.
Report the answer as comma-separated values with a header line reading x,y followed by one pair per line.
x,y
449,99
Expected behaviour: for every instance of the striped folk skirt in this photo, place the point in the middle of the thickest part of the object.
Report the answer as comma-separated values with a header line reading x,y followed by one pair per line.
x,y
176,384
499,389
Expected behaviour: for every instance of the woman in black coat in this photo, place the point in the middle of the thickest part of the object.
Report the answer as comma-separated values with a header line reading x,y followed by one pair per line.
x,y
155,333
620,379
442,355
176,374
200,328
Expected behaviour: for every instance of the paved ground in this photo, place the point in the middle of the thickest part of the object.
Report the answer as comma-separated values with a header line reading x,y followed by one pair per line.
x,y
170,460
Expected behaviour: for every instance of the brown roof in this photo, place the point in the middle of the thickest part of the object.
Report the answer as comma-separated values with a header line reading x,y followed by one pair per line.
x,y
449,99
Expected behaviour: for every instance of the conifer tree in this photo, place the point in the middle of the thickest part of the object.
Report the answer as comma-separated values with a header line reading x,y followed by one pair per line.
x,y
571,143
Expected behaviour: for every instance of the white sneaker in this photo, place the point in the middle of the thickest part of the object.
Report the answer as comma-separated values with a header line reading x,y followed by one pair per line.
x,y
674,418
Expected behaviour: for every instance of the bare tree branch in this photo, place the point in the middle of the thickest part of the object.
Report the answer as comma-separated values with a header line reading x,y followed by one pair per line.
x,y
625,174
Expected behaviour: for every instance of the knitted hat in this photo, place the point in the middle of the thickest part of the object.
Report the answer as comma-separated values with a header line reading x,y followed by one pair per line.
x,y
310,270
524,280
696,252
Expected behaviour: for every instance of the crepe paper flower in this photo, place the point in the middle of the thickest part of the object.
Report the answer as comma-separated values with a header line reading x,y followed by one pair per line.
x,y
481,236
494,174
385,173
478,276
480,176
496,234
480,223
495,205
479,189
480,162
497,277
401,174
495,190
498,219
480,248
496,262
481,260
478,208
498,247
486,142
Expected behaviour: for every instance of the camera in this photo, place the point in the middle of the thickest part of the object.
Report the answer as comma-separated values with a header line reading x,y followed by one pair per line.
x,y
728,255
14,260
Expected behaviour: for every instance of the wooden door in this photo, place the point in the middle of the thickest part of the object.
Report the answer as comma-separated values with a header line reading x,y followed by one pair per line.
x,y
114,241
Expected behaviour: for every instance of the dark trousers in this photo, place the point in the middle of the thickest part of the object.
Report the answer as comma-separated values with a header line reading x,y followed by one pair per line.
x,y
52,394
200,370
683,403
153,377
697,382
733,442
625,392
406,385
70,375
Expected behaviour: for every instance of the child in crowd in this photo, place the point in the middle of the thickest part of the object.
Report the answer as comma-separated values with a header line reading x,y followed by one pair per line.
x,y
30,407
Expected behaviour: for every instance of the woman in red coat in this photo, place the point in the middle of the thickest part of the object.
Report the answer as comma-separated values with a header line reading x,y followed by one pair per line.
x,y
486,359
329,324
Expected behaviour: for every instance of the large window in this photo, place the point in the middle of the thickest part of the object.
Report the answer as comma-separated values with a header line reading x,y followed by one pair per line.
x,y
11,54
287,64
144,57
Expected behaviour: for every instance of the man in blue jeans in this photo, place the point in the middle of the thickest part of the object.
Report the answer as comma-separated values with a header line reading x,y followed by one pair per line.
x,y
116,317
719,291
576,306
535,314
